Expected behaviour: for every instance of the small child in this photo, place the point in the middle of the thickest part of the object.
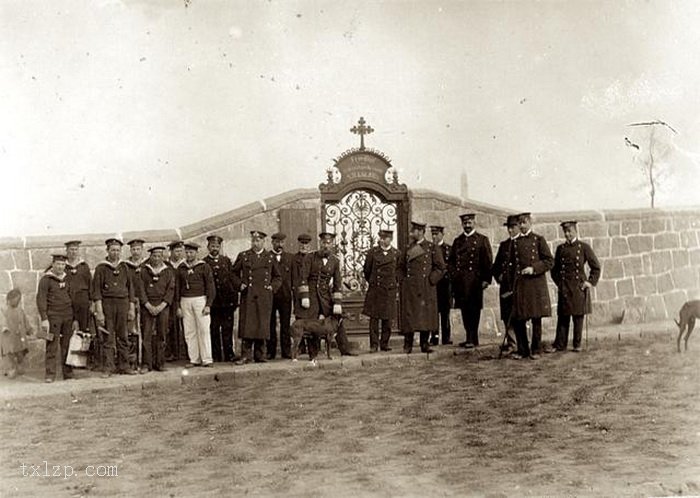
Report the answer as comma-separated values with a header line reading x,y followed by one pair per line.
x,y
15,330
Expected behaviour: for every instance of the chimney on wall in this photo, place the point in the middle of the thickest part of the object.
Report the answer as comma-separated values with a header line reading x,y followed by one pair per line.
x,y
464,185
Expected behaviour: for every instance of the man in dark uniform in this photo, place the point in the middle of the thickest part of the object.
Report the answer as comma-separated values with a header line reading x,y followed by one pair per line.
x,y
175,346
281,300
444,293
421,268
305,250
114,294
320,289
470,273
56,310
532,260
569,274
503,273
257,276
225,302
78,277
157,292
79,281
134,262
381,272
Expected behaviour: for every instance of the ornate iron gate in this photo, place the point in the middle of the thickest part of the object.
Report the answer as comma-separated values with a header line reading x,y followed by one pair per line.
x,y
356,220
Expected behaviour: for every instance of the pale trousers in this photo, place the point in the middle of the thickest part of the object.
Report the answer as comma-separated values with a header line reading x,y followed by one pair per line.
x,y
196,327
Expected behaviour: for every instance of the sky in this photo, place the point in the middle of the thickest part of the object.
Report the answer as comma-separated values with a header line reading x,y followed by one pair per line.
x,y
120,115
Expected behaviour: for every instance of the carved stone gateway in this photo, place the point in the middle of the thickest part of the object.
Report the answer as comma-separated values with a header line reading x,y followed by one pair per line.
x,y
361,196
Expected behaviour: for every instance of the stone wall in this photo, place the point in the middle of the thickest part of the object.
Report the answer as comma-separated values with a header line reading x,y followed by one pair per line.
x,y
651,259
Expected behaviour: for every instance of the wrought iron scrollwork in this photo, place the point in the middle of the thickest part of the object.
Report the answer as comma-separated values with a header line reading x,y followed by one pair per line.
x,y
356,219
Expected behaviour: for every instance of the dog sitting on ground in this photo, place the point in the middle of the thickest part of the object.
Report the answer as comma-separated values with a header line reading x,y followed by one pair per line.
x,y
323,328
688,313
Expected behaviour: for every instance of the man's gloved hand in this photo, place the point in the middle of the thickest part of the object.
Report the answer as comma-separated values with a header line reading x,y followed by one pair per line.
x,y
179,313
100,318
45,326
305,303
337,309
76,325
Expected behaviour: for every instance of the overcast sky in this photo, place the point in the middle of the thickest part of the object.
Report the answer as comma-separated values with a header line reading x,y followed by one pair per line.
x,y
123,115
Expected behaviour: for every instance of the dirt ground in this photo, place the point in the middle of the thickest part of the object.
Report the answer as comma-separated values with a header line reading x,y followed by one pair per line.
x,y
620,419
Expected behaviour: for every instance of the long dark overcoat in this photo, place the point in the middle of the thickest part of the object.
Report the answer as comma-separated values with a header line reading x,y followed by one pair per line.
x,y
261,276
421,268
381,272
531,296
569,273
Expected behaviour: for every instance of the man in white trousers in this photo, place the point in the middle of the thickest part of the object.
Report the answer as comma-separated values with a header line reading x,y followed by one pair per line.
x,y
195,294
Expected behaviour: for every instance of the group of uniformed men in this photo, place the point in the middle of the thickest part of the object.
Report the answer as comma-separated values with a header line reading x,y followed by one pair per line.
x,y
151,297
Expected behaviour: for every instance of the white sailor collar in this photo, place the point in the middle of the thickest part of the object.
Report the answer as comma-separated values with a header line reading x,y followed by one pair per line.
x,y
51,274
193,265
156,271
110,264
134,265
469,234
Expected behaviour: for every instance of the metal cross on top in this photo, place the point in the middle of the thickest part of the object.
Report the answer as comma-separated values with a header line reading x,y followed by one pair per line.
x,y
362,130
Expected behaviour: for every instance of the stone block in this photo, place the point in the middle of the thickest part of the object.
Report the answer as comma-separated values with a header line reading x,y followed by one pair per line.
x,y
601,246
614,229
653,225
7,262
5,282
674,300
593,229
647,267
616,310
625,287
41,258
689,239
605,291
655,308
640,243
664,283
22,261
630,227
25,281
694,294
645,285
680,222
632,266
619,247
600,314
694,257
681,258
612,268
683,278
661,262
634,310
666,241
